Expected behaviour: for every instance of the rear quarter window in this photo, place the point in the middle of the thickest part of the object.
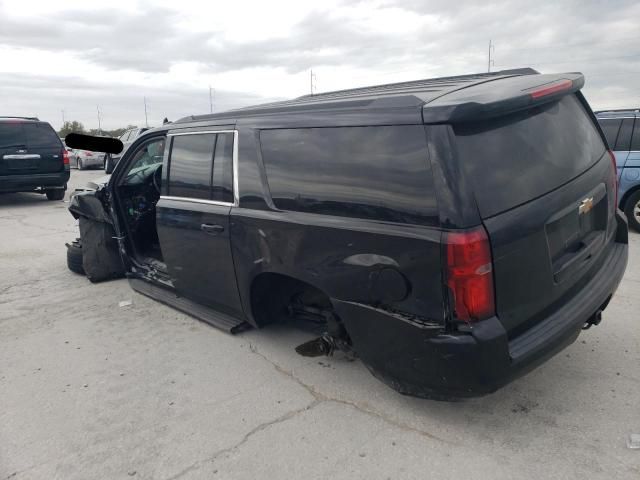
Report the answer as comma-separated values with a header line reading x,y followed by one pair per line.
x,y
610,127
516,158
379,172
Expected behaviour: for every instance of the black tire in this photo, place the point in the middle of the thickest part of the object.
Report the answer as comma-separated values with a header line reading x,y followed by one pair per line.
x,y
632,210
74,257
55,194
80,164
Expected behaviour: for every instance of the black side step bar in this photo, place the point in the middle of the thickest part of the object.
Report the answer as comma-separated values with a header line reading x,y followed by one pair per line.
x,y
219,320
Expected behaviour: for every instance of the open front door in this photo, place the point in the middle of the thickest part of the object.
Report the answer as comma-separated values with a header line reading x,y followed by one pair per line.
x,y
192,218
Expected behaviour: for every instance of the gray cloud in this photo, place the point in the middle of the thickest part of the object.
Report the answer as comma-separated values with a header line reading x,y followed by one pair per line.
x,y
598,38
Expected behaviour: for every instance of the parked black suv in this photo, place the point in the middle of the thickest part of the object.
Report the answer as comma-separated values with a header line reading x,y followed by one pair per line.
x,y
453,233
32,158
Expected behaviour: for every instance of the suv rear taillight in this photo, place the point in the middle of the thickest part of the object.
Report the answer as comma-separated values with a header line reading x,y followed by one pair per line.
x,y
615,178
469,271
65,157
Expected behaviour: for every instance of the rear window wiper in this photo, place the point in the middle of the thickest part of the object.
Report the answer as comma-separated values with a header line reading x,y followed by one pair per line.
x,y
16,145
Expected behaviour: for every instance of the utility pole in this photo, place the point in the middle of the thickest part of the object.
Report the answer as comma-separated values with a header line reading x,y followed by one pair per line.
x,y
312,79
146,121
63,122
490,62
99,124
211,98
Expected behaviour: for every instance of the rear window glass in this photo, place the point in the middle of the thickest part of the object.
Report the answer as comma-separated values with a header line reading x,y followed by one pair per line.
x,y
366,172
610,127
12,135
41,135
516,158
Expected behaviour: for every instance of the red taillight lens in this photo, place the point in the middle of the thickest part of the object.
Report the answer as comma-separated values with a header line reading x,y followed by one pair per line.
x,y
65,157
470,274
615,177
553,88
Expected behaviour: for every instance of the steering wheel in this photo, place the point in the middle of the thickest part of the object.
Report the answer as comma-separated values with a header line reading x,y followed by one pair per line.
x,y
157,179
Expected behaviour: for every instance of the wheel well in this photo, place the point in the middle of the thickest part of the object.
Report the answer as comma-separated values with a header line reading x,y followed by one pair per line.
x,y
626,196
272,293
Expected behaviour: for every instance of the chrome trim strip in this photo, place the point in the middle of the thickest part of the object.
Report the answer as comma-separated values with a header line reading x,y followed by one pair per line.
x,y
196,200
236,191
199,132
21,156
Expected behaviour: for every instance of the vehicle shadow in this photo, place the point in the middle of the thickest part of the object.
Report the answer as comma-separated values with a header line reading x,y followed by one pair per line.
x,y
26,200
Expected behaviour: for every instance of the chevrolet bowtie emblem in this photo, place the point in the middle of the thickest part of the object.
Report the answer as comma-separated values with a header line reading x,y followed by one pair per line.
x,y
585,206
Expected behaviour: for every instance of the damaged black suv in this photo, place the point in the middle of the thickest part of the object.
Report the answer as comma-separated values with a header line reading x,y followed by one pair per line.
x,y
453,233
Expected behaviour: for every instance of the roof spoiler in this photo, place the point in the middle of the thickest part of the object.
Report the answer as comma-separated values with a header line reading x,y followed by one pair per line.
x,y
499,97
20,118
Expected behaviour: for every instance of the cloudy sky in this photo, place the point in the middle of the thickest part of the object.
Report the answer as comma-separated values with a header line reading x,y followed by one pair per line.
x,y
78,56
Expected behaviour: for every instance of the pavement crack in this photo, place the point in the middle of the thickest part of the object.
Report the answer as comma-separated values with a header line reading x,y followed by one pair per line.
x,y
263,426
321,397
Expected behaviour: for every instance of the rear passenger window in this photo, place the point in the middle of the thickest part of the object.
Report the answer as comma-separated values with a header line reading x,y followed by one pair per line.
x,y
377,172
41,135
635,138
610,127
222,175
624,137
190,166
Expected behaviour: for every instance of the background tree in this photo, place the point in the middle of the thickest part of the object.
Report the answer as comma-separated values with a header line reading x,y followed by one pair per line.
x,y
71,127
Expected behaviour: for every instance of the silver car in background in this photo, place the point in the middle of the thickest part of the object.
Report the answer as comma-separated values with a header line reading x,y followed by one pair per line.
x,y
127,139
86,159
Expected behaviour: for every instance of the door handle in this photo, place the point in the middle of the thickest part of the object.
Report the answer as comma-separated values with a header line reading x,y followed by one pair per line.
x,y
211,229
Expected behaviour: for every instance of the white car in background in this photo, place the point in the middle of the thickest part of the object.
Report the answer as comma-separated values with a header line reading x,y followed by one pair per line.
x,y
86,159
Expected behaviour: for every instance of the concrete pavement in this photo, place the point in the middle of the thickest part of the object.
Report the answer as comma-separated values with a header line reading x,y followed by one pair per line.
x,y
89,390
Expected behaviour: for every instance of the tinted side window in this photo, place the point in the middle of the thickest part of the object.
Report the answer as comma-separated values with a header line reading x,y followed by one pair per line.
x,y
12,135
624,137
367,172
610,127
41,135
190,166
635,138
222,175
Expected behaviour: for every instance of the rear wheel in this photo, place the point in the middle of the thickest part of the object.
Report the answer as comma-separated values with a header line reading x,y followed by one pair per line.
x,y
74,257
80,164
55,194
632,210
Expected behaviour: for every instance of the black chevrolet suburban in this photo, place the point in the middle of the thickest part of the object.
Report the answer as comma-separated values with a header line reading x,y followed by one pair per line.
x,y
32,158
453,233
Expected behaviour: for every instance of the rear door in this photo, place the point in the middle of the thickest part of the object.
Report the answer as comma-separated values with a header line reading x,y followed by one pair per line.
x,y
192,218
544,186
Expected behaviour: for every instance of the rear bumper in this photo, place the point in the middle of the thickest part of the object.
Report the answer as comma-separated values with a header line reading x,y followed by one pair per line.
x,y
27,183
423,361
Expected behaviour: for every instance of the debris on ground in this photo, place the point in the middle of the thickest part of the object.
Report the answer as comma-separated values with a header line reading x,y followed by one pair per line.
x,y
125,303
633,441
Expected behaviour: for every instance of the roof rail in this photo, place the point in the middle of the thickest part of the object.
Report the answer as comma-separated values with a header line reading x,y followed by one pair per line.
x,y
24,118
615,110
